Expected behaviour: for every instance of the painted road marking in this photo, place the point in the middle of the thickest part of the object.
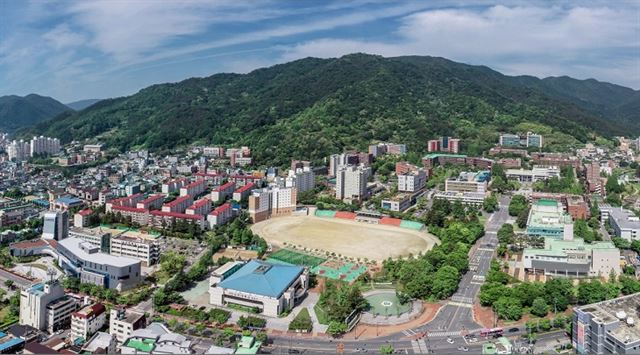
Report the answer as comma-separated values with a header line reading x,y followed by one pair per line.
x,y
459,304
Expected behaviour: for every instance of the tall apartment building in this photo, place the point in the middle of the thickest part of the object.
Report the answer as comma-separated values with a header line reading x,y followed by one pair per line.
x,y
351,183
56,225
336,161
200,207
607,327
122,323
45,306
87,321
268,202
412,181
153,202
302,179
44,145
19,150
444,144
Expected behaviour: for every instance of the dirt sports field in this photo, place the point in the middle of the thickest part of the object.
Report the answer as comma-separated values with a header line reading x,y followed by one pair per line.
x,y
349,238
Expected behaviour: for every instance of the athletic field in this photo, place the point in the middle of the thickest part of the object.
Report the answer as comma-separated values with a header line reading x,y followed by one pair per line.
x,y
344,237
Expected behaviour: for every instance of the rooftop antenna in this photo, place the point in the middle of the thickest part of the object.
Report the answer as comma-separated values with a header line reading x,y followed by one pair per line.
x,y
51,275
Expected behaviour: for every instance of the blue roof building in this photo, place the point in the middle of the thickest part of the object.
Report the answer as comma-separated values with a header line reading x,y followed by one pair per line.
x,y
269,288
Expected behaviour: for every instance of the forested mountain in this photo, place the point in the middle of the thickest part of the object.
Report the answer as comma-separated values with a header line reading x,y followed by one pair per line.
x,y
313,107
82,104
17,112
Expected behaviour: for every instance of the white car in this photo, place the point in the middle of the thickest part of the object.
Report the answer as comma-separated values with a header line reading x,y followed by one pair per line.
x,y
450,341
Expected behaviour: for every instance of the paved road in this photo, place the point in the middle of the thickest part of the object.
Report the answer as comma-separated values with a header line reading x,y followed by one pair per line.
x,y
457,314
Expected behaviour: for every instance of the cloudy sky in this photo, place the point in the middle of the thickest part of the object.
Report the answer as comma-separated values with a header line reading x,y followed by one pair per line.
x,y
96,49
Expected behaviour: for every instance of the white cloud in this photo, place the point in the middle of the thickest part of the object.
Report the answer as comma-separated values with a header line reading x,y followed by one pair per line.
x,y
63,37
548,41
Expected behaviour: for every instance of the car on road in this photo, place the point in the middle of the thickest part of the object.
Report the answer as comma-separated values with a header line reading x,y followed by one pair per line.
x,y
463,348
513,330
450,341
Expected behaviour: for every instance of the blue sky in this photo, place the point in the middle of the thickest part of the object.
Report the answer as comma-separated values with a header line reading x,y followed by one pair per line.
x,y
97,49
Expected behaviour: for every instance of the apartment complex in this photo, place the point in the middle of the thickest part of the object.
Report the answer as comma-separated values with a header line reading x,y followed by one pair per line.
x,y
607,327
444,144
87,321
220,215
573,258
223,192
548,219
21,150
351,183
141,246
273,201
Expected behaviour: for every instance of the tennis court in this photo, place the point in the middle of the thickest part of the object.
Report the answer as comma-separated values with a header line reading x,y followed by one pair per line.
x,y
338,270
291,257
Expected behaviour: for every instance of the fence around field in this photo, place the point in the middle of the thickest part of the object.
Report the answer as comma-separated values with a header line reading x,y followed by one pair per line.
x,y
295,258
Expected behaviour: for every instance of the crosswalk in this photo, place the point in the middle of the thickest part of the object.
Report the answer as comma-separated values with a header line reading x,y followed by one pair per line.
x,y
443,334
462,299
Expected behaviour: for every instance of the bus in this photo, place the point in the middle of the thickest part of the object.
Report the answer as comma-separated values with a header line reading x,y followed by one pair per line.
x,y
493,332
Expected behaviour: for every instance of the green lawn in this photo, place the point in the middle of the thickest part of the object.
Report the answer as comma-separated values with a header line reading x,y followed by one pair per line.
x,y
321,314
302,321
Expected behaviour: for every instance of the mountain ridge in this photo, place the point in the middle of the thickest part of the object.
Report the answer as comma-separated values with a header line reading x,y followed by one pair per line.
x,y
348,102
22,111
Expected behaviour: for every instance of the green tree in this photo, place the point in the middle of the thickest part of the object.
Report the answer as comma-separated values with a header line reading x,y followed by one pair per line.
x,y
508,308
558,293
490,204
523,217
517,205
336,328
445,282
539,307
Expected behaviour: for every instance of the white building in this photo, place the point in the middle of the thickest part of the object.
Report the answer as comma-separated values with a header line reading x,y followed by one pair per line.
x,y
573,258
533,175
56,225
466,198
351,182
270,288
303,179
397,204
274,201
100,343
625,223
44,145
122,323
87,321
220,215
45,306
412,181
19,150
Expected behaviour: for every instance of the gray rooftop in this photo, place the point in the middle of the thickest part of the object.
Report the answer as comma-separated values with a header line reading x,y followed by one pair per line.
x,y
625,219
74,246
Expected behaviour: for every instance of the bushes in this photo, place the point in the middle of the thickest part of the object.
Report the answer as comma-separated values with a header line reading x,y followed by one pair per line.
x,y
302,322
517,205
251,322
